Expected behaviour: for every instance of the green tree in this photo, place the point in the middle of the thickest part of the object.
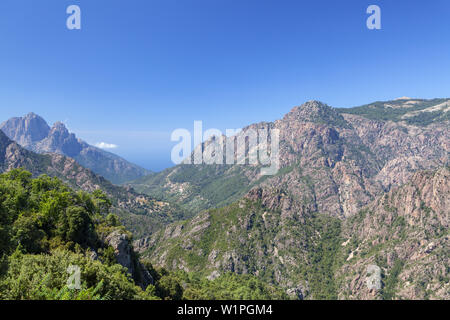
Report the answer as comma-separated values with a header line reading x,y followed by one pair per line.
x,y
168,288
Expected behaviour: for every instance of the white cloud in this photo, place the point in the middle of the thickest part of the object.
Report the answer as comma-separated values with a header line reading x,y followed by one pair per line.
x,y
104,145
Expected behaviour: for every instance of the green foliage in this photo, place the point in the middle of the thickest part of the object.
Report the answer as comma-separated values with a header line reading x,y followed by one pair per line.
x,y
391,280
112,220
26,231
323,257
248,229
426,118
168,288
44,277
195,286
108,256
45,227
76,226
229,286
217,185
39,213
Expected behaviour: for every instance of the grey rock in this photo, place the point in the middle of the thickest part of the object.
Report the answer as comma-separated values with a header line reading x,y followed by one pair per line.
x,y
214,275
124,254
122,248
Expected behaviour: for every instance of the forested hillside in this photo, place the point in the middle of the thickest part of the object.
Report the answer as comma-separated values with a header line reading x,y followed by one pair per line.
x,y
46,227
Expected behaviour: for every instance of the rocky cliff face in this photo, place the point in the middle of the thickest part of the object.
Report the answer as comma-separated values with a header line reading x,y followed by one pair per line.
x,y
33,133
126,257
26,131
406,234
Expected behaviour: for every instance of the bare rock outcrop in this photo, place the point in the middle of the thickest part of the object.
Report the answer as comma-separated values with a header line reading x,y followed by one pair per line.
x,y
126,257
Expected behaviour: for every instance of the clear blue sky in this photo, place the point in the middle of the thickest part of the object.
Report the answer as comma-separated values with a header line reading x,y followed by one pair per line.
x,y
139,69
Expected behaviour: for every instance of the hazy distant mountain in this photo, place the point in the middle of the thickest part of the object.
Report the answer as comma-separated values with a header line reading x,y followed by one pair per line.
x,y
33,133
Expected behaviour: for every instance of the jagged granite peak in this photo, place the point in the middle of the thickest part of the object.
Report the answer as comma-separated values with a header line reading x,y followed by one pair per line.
x,y
59,126
26,130
311,105
60,140
33,133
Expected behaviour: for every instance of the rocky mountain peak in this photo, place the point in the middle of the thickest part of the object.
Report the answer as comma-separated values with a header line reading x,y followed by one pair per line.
x,y
31,115
26,130
312,106
314,111
59,127
60,140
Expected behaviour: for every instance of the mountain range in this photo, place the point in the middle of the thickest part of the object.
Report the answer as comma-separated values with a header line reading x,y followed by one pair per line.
x,y
332,160
358,189
33,133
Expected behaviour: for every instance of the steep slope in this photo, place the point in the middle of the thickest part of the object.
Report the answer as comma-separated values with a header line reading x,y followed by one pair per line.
x,y
332,161
406,234
244,238
140,213
316,256
34,134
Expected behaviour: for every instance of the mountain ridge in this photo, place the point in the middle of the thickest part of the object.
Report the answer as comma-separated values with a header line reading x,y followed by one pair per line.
x,y
345,159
